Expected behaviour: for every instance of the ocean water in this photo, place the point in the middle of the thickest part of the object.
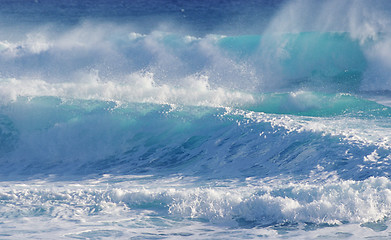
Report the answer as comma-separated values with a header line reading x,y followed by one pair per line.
x,y
163,119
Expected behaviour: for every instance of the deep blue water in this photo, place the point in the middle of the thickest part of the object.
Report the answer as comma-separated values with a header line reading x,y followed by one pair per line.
x,y
195,119
198,16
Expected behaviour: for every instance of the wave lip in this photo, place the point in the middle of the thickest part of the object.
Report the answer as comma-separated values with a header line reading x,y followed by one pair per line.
x,y
318,104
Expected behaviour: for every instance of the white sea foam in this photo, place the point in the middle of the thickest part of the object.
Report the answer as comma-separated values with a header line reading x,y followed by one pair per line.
x,y
128,203
352,129
136,87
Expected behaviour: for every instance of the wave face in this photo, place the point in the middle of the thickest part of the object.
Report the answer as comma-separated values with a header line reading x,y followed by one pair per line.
x,y
195,119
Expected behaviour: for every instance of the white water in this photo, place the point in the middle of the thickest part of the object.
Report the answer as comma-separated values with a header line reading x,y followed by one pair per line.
x,y
175,207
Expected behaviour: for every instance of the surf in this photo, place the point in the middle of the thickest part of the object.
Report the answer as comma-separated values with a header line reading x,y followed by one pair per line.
x,y
195,119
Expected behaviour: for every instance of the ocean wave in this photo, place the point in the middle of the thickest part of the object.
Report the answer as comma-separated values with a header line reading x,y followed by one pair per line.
x,y
331,61
73,138
198,119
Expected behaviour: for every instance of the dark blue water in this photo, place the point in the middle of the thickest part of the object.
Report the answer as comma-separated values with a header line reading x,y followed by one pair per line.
x,y
200,17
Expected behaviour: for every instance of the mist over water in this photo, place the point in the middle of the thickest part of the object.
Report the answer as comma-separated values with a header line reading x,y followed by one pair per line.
x,y
280,46
198,119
